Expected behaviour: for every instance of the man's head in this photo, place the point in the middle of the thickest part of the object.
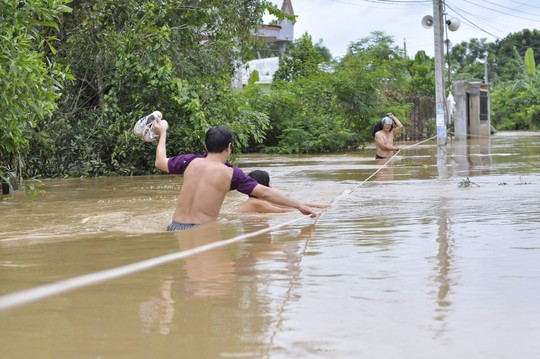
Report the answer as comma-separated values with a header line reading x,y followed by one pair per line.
x,y
218,139
262,177
387,121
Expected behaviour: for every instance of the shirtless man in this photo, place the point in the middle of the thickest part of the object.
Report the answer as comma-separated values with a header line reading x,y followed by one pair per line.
x,y
384,138
209,177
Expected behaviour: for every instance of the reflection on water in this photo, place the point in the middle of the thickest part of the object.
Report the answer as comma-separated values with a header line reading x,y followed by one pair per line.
x,y
407,264
473,157
386,170
444,266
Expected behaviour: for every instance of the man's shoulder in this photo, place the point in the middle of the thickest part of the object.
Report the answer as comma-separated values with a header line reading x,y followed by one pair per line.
x,y
178,164
241,181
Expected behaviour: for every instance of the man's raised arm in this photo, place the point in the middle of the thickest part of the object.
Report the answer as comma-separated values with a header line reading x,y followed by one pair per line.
x,y
160,127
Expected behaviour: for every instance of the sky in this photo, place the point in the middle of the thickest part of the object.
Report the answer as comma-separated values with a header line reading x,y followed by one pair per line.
x,y
341,22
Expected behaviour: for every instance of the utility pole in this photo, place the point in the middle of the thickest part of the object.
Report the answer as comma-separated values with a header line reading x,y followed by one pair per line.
x,y
440,98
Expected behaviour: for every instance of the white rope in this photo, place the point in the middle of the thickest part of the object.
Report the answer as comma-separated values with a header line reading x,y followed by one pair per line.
x,y
289,291
383,166
16,299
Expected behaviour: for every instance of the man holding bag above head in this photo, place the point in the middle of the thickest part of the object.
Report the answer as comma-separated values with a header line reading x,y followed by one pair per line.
x,y
384,133
209,177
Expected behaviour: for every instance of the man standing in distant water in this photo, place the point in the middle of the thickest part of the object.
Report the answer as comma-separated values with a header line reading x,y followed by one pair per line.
x,y
384,133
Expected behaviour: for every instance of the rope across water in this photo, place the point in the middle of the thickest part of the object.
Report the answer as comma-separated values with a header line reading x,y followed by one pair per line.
x,y
16,299
380,168
27,296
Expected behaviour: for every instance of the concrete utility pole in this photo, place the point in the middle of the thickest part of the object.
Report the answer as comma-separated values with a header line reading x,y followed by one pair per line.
x,y
440,98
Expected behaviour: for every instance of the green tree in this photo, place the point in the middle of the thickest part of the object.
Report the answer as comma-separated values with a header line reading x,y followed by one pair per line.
x,y
421,69
30,80
505,50
132,57
516,103
467,59
323,51
301,106
305,117
420,91
371,81
302,60
334,107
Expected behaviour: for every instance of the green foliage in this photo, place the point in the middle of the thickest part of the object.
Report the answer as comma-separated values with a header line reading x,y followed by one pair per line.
x,y
516,103
504,57
467,183
421,71
131,57
511,65
302,60
303,117
334,109
253,78
33,189
530,64
30,81
372,81
513,47
323,51
121,60
467,59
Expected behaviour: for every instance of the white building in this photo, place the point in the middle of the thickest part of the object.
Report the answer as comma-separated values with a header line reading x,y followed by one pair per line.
x,y
282,34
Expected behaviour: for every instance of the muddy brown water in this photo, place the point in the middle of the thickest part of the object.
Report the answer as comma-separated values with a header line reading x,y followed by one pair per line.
x,y
437,255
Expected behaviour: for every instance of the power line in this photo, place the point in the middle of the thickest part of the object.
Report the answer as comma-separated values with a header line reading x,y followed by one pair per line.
x,y
491,16
460,12
503,12
385,3
513,8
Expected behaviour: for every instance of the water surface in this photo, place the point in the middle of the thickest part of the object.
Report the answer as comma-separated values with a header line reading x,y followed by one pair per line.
x,y
435,256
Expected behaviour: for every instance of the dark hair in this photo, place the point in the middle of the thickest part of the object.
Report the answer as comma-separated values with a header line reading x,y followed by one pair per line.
x,y
262,177
378,126
218,138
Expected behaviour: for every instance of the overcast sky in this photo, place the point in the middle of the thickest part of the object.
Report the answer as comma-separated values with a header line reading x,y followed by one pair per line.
x,y
340,22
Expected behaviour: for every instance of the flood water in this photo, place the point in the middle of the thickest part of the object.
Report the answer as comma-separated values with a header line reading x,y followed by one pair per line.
x,y
437,255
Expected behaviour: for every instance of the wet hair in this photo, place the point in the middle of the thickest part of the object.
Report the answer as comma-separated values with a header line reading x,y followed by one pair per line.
x,y
218,139
379,125
262,177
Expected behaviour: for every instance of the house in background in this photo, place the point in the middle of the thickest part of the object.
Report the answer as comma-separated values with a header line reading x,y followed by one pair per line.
x,y
281,35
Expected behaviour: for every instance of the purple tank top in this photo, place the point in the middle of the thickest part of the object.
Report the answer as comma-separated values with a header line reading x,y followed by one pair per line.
x,y
240,181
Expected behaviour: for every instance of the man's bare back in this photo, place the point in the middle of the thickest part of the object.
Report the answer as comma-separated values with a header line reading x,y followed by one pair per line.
x,y
208,178
206,183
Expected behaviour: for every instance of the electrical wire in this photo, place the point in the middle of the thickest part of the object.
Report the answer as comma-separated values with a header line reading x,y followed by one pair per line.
x,y
385,3
484,21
